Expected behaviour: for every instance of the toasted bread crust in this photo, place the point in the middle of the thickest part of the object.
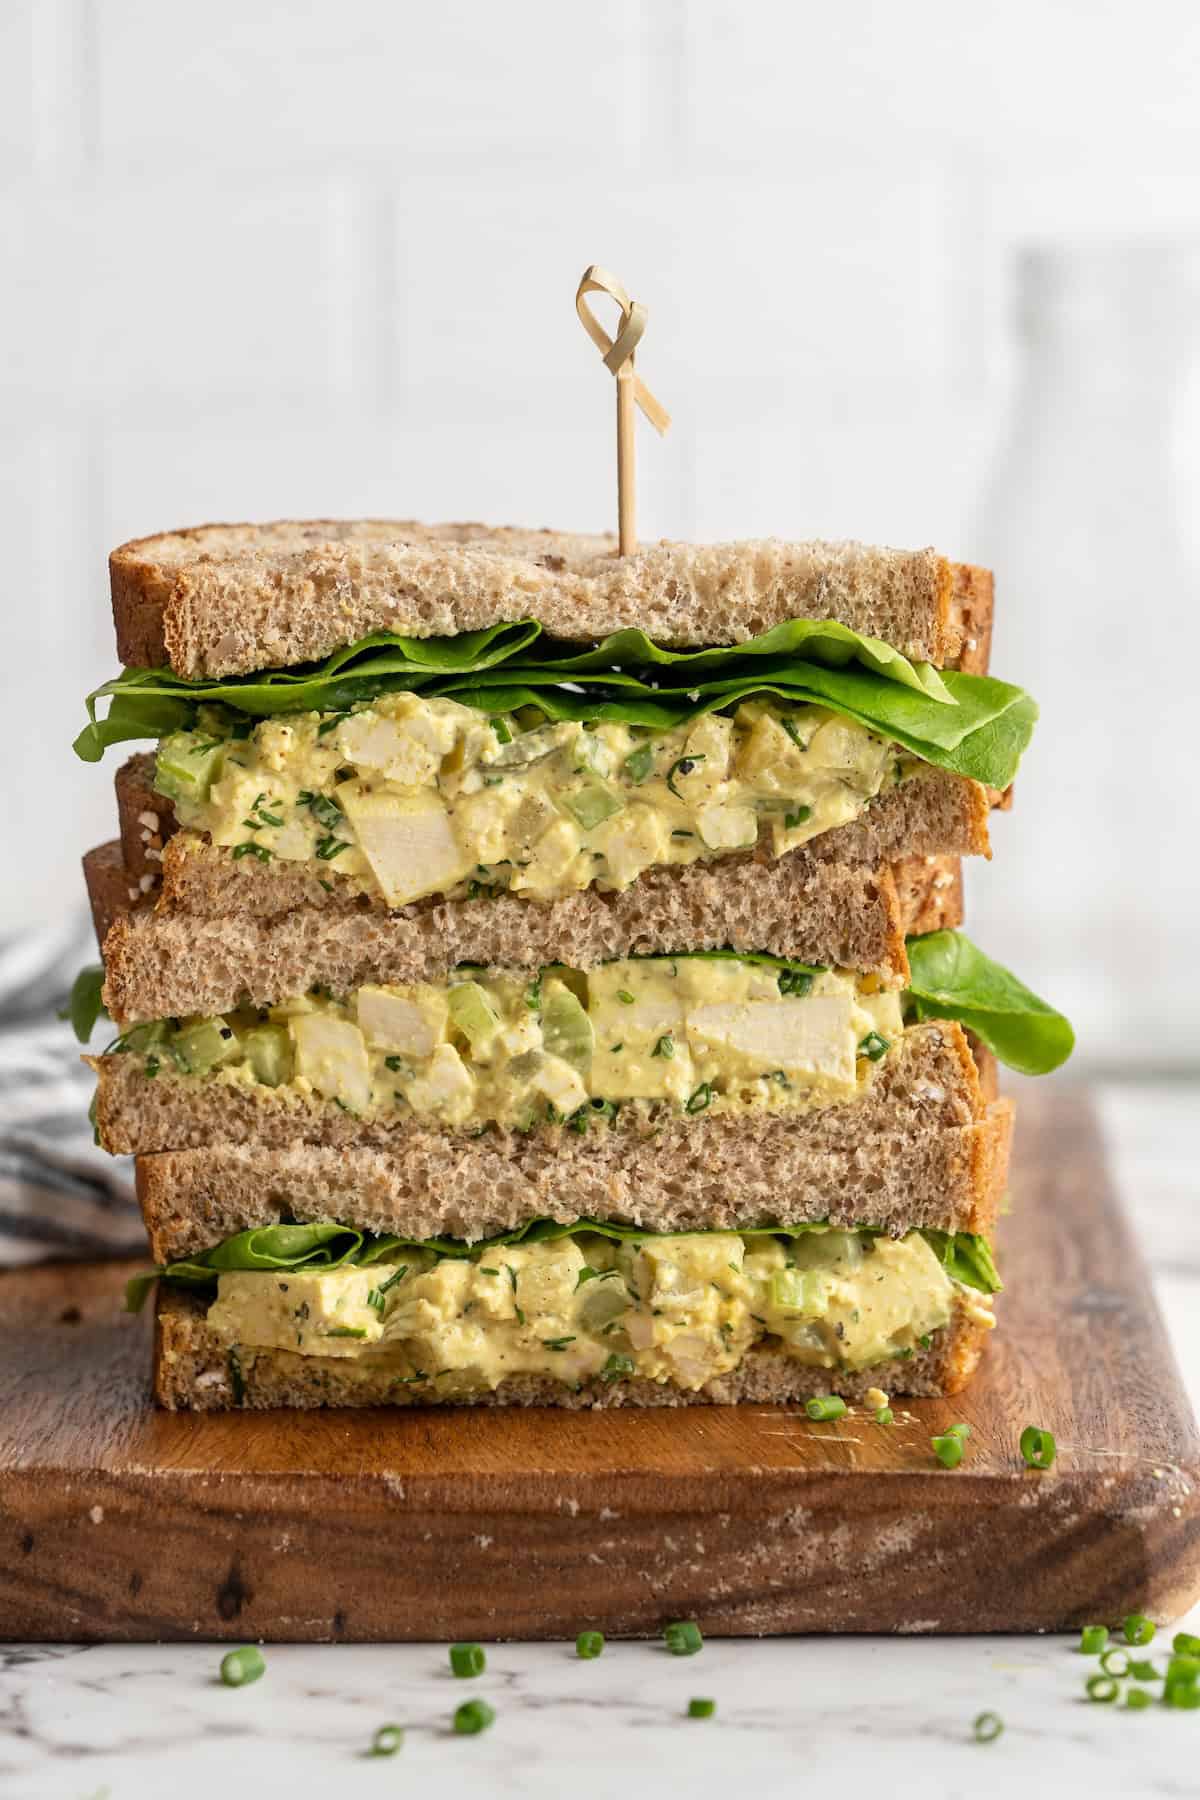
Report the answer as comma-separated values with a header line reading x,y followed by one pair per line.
x,y
192,1372
228,599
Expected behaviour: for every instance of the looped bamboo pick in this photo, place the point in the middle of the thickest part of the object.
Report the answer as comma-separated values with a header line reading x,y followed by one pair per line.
x,y
618,359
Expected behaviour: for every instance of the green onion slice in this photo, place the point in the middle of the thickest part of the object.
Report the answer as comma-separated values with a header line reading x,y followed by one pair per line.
x,y
472,1717
589,1645
240,1667
701,1709
683,1638
1038,1447
387,1740
987,1727
467,1660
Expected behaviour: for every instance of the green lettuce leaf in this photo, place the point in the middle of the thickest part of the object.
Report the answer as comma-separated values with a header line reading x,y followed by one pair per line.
x,y
965,1257
969,724
951,979
85,1005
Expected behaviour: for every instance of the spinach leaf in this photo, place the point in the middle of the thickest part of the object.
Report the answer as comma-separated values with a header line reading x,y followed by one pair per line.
x,y
85,1005
969,724
951,979
273,1247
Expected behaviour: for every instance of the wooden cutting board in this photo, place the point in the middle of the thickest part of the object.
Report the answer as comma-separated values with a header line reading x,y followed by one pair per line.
x,y
120,1522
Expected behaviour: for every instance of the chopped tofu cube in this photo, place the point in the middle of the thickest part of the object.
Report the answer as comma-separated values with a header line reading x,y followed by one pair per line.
x,y
414,1022
813,1036
447,1088
408,841
770,760
632,841
712,738
728,827
332,1055
384,744
319,1314
560,1084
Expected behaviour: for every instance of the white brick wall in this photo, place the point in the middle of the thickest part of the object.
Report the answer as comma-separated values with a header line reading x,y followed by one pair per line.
x,y
267,258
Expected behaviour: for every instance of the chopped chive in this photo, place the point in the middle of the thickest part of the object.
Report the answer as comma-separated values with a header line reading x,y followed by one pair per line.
x,y
387,1741
801,816
472,1717
329,847
1038,1447
589,1645
624,997
948,1449
795,981
394,1063
503,734
987,1727
1102,1688
884,1415
152,1066
558,1343
347,1331
467,1660
329,723
1138,1628
683,765
240,1667
258,850
701,1709
1114,1661
825,1406
1092,1639
639,763
617,1367
376,1301
665,1047
701,1099
683,1638
397,1275
873,1046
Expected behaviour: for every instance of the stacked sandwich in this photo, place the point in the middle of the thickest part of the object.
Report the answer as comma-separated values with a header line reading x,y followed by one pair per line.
x,y
537,971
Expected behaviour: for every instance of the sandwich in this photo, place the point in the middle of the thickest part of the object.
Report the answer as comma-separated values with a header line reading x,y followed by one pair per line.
x,y
538,973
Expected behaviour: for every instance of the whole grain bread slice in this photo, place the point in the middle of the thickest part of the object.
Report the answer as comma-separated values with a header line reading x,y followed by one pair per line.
x,y
217,600
194,1371
921,1147
165,964
931,814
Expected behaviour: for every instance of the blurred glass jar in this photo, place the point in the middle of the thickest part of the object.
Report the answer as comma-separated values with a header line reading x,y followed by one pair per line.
x,y
1090,523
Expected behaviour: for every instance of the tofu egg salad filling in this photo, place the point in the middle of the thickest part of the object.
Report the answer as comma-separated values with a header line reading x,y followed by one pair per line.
x,y
700,1033
414,796
586,1302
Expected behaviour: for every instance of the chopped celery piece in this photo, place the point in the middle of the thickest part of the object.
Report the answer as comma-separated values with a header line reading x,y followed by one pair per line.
x,y
268,1050
799,1291
205,1045
566,1028
187,765
592,802
471,1012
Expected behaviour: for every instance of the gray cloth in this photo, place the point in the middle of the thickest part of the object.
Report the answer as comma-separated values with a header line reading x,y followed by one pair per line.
x,y
60,1195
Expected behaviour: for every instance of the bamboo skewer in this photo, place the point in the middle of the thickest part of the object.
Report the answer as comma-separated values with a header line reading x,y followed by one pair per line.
x,y
631,392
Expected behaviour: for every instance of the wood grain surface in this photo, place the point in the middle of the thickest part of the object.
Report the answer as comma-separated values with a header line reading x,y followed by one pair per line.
x,y
121,1522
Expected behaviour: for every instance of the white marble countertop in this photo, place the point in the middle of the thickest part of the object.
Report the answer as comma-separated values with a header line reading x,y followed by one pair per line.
x,y
887,1715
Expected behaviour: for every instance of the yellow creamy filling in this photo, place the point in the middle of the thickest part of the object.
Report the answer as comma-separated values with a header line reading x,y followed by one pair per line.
x,y
674,1309
415,797
698,1034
